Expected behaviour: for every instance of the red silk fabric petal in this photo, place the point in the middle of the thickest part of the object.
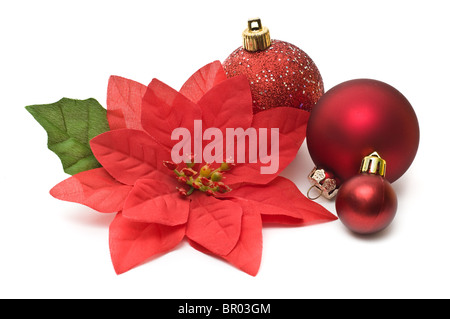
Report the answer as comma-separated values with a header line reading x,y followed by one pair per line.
x,y
203,80
129,155
132,243
214,224
124,100
227,105
247,253
164,109
94,188
291,124
156,201
282,202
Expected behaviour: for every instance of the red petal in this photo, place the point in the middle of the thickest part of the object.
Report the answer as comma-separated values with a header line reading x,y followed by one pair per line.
x,y
94,188
203,80
292,127
291,123
281,202
214,224
164,109
132,243
246,255
228,105
128,154
156,201
124,101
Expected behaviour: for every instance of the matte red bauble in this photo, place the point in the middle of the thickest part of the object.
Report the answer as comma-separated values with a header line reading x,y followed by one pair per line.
x,y
366,203
356,118
279,73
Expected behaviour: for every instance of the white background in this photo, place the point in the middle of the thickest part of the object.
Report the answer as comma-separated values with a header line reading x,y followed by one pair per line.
x,y
55,49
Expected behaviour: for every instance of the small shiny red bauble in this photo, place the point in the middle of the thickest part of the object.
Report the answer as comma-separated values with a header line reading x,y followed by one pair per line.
x,y
280,75
366,203
354,119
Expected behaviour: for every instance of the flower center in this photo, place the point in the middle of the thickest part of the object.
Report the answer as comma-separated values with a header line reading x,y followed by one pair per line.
x,y
207,179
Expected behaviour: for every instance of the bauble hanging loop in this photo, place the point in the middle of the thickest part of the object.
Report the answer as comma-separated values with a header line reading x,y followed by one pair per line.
x,y
325,183
256,38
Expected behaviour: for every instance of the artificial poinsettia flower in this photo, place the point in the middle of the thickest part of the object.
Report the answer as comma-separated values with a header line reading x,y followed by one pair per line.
x,y
219,207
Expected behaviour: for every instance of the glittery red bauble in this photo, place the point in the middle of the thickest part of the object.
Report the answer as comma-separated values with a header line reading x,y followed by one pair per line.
x,y
281,75
356,118
366,203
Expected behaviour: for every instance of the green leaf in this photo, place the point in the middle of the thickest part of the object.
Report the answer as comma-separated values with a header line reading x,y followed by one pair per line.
x,y
70,125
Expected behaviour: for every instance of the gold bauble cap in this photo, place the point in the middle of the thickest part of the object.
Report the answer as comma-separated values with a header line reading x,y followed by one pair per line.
x,y
256,38
373,164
